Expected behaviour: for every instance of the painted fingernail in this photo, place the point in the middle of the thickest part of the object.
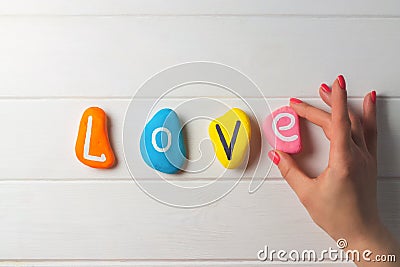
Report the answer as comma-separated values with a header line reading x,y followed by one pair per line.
x,y
342,82
274,157
373,96
295,100
325,88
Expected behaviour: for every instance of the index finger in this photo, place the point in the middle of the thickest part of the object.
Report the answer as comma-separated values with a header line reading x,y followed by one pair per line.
x,y
312,114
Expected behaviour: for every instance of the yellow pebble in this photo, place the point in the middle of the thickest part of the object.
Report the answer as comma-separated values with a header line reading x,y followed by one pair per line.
x,y
230,135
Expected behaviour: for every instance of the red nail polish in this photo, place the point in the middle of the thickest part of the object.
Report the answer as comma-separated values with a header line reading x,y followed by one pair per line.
x,y
274,157
325,88
295,100
342,82
373,96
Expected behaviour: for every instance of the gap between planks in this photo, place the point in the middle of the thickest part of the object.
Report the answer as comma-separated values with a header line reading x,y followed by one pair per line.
x,y
277,180
128,262
124,98
283,15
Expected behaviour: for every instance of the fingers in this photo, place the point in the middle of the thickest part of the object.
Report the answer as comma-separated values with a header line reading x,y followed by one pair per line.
x,y
312,114
370,122
357,131
298,181
340,116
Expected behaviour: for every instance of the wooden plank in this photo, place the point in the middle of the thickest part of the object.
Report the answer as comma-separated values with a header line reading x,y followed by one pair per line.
x,y
116,220
38,138
163,263
113,56
207,7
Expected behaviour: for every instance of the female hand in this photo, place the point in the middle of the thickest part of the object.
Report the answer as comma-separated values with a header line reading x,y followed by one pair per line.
x,y
342,200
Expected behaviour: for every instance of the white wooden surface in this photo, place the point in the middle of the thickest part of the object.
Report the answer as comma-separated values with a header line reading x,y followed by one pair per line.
x,y
59,57
206,7
111,56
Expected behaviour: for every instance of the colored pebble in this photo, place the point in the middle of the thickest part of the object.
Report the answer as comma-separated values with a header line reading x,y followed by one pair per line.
x,y
161,143
282,129
92,146
230,135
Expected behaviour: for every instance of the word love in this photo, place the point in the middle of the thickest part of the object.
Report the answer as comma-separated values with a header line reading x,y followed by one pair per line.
x,y
162,145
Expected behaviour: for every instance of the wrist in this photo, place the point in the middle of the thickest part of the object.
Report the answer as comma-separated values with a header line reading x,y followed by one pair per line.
x,y
370,236
377,239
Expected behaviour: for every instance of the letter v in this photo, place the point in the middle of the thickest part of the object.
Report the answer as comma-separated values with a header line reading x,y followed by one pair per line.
x,y
228,149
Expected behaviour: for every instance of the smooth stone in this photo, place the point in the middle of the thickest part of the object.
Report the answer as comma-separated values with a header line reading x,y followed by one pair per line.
x,y
161,143
282,129
230,135
92,146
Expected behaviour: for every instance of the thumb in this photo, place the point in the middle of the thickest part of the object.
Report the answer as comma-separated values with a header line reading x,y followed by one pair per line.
x,y
295,177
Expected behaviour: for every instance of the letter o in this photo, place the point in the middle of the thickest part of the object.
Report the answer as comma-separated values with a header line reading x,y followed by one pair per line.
x,y
169,139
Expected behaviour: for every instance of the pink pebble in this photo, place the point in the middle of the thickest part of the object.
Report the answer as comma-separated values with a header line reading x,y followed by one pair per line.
x,y
282,129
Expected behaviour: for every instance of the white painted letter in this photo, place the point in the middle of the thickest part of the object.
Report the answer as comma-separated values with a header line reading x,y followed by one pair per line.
x,y
153,139
284,128
86,147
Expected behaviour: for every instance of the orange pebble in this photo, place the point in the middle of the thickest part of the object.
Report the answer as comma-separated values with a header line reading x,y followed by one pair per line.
x,y
92,145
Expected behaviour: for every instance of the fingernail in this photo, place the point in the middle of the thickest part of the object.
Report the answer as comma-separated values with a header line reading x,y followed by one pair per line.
x,y
274,157
373,96
325,88
342,82
295,100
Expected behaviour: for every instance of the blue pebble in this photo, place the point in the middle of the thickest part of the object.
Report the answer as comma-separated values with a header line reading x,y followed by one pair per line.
x,y
161,143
